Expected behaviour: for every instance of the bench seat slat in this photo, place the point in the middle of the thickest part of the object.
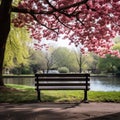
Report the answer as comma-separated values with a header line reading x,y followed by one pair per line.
x,y
62,88
62,84
62,75
61,79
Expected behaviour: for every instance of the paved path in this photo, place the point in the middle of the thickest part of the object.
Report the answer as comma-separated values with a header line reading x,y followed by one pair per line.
x,y
51,111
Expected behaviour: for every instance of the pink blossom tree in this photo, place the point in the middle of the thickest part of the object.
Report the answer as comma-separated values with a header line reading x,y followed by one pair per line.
x,y
91,23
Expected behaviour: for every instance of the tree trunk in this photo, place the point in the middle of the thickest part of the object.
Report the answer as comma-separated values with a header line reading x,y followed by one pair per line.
x,y
5,7
80,63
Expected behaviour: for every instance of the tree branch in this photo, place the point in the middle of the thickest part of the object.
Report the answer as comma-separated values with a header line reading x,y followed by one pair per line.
x,y
52,29
61,10
57,18
23,10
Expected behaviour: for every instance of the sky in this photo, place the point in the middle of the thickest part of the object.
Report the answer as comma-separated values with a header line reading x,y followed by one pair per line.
x,y
59,43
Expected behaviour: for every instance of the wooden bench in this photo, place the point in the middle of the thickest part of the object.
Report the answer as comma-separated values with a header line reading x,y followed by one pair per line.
x,y
62,82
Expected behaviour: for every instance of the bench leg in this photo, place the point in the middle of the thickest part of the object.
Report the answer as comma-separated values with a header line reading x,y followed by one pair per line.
x,y
39,95
85,100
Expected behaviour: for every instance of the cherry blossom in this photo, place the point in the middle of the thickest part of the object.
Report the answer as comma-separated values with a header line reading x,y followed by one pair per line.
x,y
91,23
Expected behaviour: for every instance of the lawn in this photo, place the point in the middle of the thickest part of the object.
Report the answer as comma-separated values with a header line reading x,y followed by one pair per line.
x,y
26,94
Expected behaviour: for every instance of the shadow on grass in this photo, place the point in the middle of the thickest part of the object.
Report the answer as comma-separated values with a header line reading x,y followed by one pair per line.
x,y
29,95
48,98
60,98
12,95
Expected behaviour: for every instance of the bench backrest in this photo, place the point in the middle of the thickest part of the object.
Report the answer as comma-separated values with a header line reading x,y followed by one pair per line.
x,y
62,81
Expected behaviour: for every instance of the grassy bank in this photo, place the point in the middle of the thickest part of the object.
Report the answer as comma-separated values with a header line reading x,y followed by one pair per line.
x,y
20,94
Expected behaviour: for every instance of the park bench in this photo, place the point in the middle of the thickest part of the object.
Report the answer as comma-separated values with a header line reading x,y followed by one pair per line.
x,y
62,82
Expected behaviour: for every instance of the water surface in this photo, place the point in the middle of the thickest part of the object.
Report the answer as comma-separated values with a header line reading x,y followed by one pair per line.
x,y
96,83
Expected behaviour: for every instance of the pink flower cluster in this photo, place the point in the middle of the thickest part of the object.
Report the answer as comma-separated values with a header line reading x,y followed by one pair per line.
x,y
92,23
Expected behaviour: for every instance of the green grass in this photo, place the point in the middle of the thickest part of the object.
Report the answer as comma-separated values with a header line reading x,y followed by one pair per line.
x,y
25,94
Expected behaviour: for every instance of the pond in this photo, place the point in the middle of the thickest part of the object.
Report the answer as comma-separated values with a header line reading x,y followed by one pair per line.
x,y
105,84
96,83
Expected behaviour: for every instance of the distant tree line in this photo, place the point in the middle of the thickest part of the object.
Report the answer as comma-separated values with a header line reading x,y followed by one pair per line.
x,y
20,58
66,60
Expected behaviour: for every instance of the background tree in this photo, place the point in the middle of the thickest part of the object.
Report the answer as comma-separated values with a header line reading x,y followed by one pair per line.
x,y
72,65
49,61
92,62
80,58
110,63
37,61
17,50
63,57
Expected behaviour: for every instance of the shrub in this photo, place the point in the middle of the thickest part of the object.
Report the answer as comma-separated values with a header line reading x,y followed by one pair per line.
x,y
63,70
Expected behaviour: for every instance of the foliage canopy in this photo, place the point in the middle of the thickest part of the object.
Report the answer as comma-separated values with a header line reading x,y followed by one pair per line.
x,y
17,47
91,23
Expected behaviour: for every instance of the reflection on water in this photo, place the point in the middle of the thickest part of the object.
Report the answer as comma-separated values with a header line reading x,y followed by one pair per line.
x,y
20,81
96,83
105,84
